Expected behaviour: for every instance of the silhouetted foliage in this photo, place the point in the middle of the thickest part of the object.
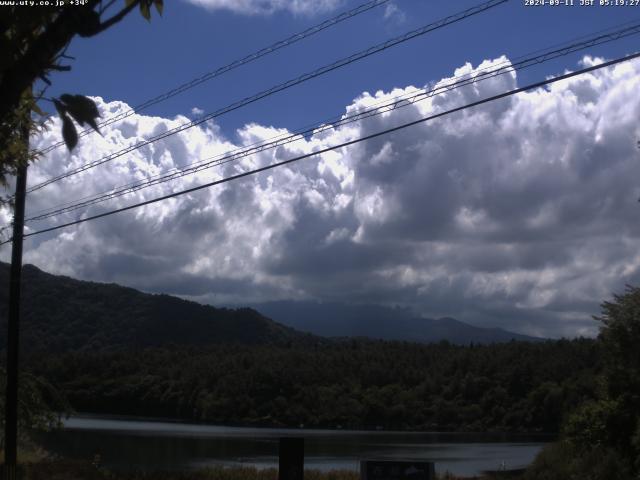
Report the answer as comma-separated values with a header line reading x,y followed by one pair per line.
x,y
611,422
564,461
41,405
33,42
601,438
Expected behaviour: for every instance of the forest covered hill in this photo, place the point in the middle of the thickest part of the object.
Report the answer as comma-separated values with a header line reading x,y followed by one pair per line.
x,y
60,313
111,349
63,314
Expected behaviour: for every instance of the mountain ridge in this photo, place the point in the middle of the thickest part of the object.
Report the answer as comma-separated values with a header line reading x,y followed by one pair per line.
x,y
61,313
332,319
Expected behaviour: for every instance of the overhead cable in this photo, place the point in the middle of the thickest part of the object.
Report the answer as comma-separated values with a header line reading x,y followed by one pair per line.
x,y
341,145
280,87
296,37
378,108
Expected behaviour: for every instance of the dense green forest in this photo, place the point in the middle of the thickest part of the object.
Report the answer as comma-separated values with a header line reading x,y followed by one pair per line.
x,y
516,386
61,314
108,349
111,349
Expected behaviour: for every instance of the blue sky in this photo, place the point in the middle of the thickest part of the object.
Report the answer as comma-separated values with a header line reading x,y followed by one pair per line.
x,y
138,60
520,214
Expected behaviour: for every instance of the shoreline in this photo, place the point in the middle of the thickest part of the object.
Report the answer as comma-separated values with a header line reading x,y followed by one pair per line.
x,y
194,446
509,436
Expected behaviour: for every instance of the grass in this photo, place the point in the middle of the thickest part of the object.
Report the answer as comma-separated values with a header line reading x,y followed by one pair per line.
x,y
68,470
76,470
34,463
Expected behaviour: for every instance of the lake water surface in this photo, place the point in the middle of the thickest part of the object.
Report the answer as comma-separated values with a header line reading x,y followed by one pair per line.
x,y
160,445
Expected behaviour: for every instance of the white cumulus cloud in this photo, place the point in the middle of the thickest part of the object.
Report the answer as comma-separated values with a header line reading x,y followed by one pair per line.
x,y
521,214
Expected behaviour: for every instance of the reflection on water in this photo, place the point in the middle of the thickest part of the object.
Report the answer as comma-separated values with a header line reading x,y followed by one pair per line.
x,y
152,445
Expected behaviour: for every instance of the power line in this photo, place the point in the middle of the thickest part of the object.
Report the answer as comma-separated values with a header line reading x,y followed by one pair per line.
x,y
282,86
376,109
341,145
243,152
396,102
296,37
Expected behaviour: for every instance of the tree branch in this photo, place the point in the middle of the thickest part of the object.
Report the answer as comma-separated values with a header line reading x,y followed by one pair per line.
x,y
117,17
41,54
30,66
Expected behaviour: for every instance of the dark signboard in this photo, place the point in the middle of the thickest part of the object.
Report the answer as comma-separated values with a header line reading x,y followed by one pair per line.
x,y
397,470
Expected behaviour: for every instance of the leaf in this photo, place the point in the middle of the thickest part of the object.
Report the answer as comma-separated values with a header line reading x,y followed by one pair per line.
x,y
159,6
69,133
89,25
82,109
60,108
38,110
144,9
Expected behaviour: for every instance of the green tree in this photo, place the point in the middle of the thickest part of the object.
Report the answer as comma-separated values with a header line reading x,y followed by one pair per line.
x,y
611,423
33,42
620,336
41,405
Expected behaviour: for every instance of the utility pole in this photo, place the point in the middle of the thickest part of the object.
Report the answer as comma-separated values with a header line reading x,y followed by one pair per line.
x,y
11,401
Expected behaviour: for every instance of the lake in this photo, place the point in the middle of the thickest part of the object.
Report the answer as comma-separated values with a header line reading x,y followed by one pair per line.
x,y
161,445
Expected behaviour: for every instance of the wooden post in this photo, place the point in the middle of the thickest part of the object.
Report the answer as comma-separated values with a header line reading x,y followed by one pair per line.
x,y
11,401
291,459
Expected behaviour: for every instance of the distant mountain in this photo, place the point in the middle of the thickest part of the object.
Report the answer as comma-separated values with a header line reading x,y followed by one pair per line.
x,y
60,313
373,321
